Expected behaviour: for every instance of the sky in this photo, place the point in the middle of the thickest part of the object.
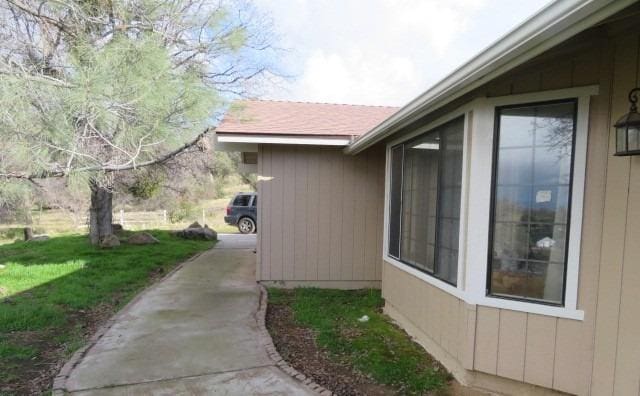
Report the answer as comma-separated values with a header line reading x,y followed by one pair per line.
x,y
381,52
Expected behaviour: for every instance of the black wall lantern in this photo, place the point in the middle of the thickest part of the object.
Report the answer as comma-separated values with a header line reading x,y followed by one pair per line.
x,y
628,128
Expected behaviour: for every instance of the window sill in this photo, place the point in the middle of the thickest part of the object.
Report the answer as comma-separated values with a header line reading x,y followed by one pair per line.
x,y
523,306
487,301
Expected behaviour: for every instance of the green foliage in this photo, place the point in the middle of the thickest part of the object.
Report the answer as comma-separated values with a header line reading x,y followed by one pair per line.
x,y
182,210
376,348
146,184
48,289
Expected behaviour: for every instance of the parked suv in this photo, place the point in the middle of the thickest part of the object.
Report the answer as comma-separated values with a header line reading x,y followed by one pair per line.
x,y
241,212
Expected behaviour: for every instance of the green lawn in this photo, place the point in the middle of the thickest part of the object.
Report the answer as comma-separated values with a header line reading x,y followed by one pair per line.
x,y
376,348
54,293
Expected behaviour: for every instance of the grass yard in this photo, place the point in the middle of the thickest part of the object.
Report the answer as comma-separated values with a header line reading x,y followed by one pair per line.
x,y
375,349
54,294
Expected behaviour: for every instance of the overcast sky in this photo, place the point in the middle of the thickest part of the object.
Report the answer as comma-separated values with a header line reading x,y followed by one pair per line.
x,y
382,52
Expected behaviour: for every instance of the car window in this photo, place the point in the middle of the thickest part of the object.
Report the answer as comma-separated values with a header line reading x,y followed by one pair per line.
x,y
242,200
255,201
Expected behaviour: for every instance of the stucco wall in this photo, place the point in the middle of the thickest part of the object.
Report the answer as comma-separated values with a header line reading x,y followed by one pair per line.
x,y
599,355
322,215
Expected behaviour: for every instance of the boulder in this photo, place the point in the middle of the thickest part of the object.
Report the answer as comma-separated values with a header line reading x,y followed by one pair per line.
x,y
39,238
142,238
109,241
195,225
117,228
209,234
202,233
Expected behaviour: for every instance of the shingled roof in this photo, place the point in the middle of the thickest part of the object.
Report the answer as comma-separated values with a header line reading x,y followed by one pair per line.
x,y
268,117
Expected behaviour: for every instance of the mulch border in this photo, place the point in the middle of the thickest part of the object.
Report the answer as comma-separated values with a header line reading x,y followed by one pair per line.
x,y
59,387
267,342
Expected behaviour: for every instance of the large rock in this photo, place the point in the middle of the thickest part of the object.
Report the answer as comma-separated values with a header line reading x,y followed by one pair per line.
x,y
117,228
142,238
210,234
109,241
203,233
195,225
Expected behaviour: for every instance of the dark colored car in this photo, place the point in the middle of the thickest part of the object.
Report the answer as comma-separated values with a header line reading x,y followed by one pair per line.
x,y
242,212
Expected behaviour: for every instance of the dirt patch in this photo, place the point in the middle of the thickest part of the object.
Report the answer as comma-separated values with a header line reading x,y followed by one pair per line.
x,y
297,345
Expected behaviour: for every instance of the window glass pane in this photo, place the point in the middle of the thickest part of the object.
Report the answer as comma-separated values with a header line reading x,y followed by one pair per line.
x,y
242,200
419,192
394,209
449,203
515,166
531,201
513,203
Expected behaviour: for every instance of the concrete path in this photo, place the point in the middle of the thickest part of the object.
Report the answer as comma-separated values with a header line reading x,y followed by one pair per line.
x,y
195,333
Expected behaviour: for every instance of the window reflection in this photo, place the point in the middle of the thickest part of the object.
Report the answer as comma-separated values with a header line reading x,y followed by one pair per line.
x,y
531,201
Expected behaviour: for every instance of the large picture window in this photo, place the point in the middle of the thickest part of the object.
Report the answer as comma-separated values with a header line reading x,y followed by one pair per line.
x,y
425,190
531,197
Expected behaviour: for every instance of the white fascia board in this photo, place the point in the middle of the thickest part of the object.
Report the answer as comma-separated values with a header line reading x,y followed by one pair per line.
x,y
297,140
552,25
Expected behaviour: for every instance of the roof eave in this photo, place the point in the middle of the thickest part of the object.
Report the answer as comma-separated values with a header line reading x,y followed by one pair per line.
x,y
549,27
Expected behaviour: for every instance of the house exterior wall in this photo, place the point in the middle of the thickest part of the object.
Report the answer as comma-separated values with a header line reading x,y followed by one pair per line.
x,y
323,213
510,351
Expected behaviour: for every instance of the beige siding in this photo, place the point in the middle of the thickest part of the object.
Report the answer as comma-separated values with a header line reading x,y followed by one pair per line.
x,y
599,355
322,212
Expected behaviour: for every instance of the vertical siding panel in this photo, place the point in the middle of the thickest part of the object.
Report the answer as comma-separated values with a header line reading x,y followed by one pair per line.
x,y
608,307
454,324
289,209
267,213
568,370
325,214
380,207
486,349
276,198
627,379
585,68
559,76
348,217
337,176
528,81
313,205
469,341
301,198
371,253
432,320
422,296
260,190
511,344
360,197
540,350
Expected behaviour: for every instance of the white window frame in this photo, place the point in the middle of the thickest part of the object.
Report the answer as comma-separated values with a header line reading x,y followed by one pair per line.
x,y
477,173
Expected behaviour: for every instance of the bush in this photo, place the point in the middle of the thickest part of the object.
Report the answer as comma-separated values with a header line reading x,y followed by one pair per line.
x,y
183,210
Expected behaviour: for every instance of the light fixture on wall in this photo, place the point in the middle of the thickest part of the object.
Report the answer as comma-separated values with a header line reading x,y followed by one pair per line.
x,y
628,128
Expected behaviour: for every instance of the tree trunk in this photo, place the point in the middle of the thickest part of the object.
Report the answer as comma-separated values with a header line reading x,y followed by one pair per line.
x,y
28,233
100,213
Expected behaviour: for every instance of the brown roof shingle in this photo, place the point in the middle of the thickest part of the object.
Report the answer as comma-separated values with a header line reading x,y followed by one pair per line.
x,y
300,118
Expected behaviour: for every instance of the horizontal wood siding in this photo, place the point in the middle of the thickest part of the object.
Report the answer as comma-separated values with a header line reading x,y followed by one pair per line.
x,y
322,211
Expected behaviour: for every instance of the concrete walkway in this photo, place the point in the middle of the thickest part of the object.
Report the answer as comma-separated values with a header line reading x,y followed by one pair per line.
x,y
195,333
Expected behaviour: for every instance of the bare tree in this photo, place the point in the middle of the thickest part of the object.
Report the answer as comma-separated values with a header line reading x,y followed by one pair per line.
x,y
89,89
